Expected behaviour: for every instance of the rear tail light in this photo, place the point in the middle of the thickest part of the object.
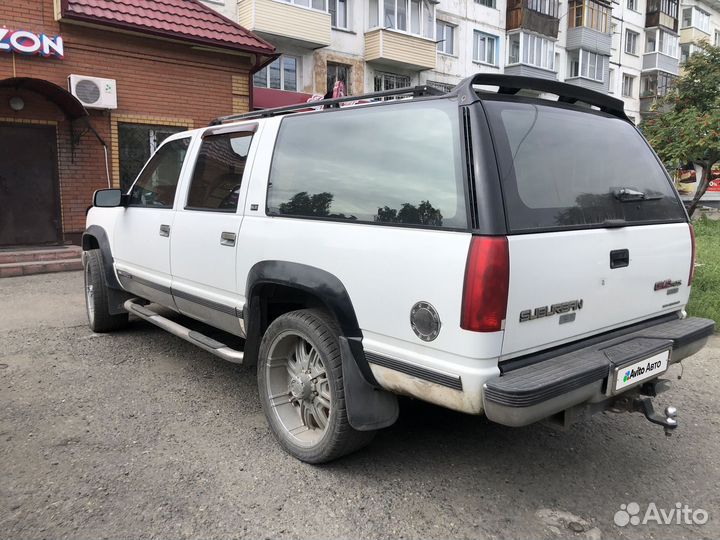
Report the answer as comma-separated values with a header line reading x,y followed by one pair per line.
x,y
692,260
485,293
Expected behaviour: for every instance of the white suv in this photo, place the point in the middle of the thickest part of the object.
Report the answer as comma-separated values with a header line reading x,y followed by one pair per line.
x,y
516,251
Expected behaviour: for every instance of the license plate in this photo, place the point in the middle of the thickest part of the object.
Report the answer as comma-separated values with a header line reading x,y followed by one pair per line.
x,y
639,371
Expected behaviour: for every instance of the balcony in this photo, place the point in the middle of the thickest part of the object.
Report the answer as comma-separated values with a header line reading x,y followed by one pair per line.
x,y
589,26
659,61
399,50
662,13
294,24
692,34
539,16
589,39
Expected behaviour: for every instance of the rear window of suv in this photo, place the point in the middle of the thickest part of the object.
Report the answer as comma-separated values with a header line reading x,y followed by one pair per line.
x,y
564,169
396,164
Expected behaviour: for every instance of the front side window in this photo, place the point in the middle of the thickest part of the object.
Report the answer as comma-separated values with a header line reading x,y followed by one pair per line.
x,y
387,164
156,185
631,39
218,173
339,13
545,186
282,74
445,37
485,48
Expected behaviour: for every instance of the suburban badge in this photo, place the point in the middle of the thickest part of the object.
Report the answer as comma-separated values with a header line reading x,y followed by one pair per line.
x,y
547,311
667,284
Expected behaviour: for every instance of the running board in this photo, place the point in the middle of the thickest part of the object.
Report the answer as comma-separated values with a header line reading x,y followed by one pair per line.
x,y
196,338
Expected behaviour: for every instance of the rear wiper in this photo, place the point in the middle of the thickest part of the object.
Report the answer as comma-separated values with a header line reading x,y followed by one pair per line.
x,y
631,195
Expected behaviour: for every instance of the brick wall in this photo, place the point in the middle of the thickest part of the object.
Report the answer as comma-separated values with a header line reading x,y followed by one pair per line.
x,y
158,81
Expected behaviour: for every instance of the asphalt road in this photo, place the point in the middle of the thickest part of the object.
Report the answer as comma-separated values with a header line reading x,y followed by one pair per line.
x,y
139,434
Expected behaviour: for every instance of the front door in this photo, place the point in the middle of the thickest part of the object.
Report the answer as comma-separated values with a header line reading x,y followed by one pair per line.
x,y
143,231
29,204
203,250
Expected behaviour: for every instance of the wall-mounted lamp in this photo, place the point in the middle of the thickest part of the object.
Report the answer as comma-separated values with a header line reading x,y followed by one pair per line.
x,y
17,103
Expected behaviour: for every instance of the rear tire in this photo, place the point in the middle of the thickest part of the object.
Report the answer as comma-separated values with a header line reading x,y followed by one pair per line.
x,y
96,296
301,387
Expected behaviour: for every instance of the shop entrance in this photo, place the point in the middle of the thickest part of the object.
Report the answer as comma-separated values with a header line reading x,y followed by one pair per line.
x,y
29,202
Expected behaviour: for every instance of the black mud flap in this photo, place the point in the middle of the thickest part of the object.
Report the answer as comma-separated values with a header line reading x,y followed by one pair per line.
x,y
368,407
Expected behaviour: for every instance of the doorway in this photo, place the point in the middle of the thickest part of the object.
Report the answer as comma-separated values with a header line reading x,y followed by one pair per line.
x,y
29,201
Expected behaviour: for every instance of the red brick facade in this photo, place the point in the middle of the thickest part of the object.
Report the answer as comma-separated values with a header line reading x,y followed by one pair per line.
x,y
158,82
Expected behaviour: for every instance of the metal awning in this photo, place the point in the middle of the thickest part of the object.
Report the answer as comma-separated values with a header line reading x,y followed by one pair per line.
x,y
65,101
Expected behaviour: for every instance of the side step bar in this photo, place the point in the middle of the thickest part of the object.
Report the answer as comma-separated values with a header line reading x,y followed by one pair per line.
x,y
196,338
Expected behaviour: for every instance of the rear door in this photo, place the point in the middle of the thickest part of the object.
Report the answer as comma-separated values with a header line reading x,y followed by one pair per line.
x,y
203,246
598,238
142,233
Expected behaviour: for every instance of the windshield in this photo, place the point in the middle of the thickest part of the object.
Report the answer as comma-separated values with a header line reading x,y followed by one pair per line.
x,y
562,169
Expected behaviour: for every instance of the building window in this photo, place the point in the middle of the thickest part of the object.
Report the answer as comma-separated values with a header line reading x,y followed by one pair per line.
x,y
532,50
631,39
546,7
390,81
417,18
627,85
282,74
338,72
662,42
486,3
136,143
586,64
656,84
319,5
611,81
485,48
589,14
339,13
685,52
445,37
697,18
717,38
632,5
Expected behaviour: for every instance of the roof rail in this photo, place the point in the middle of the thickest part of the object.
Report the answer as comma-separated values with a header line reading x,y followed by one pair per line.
x,y
413,91
512,84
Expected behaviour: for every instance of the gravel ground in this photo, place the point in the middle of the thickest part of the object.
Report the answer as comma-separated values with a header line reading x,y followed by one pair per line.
x,y
138,434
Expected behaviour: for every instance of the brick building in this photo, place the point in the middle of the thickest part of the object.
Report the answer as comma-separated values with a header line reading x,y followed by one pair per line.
x,y
176,64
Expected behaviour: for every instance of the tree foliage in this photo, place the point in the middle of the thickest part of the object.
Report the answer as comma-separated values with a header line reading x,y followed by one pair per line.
x,y
685,127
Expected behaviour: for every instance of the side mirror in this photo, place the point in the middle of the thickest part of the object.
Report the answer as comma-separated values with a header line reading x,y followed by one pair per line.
x,y
108,198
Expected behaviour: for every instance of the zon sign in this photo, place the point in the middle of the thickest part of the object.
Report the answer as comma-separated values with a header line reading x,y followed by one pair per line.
x,y
24,42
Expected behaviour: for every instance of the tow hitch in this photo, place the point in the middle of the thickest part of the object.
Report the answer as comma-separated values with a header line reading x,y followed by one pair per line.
x,y
638,403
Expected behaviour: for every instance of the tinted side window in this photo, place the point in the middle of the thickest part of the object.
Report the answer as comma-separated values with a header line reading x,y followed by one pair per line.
x,y
396,163
218,172
156,185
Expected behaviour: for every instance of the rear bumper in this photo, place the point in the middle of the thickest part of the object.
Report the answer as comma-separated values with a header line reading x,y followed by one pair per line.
x,y
541,389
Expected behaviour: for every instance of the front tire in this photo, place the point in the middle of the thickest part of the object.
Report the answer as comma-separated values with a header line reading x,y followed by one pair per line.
x,y
96,296
301,387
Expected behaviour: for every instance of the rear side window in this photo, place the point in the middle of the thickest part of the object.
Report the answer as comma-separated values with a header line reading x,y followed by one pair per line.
x,y
563,169
390,164
218,172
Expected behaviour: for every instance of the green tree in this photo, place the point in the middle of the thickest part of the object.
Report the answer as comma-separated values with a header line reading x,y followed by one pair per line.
x,y
685,127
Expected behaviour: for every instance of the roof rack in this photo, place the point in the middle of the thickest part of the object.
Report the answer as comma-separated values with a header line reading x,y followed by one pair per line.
x,y
512,84
413,91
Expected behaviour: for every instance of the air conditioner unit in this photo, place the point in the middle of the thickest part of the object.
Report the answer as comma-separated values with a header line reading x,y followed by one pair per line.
x,y
94,92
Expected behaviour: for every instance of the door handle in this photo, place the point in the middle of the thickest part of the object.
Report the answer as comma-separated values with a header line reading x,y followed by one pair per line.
x,y
619,258
165,230
227,239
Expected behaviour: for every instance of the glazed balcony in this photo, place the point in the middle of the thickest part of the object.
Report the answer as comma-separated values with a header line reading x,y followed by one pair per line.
x,y
395,49
662,13
292,22
541,16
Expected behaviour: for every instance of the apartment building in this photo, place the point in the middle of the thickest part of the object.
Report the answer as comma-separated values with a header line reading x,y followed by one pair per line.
x,y
629,48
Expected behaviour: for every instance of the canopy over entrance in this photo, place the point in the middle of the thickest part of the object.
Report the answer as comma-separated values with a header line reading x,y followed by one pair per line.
x,y
65,101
